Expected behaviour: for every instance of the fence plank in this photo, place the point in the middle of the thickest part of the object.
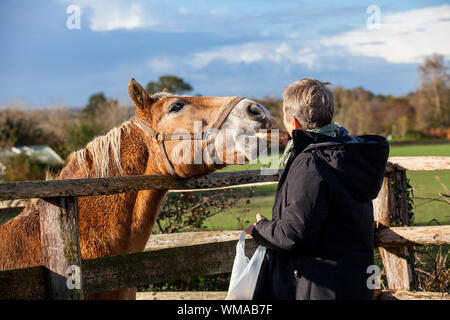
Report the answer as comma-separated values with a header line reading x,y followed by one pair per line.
x,y
60,246
99,186
391,207
124,271
220,295
408,236
180,239
384,237
408,295
181,295
25,284
422,163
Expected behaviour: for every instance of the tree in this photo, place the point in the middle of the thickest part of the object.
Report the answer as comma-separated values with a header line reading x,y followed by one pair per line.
x,y
173,84
395,116
354,109
95,100
433,101
21,167
16,128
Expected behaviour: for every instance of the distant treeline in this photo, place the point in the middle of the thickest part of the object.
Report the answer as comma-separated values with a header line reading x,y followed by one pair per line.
x,y
426,111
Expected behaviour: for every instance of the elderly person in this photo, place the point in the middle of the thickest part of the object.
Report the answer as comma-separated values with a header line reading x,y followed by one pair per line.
x,y
320,239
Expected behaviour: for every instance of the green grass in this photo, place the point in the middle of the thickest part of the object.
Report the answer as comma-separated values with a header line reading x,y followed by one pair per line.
x,y
424,185
269,162
238,217
413,150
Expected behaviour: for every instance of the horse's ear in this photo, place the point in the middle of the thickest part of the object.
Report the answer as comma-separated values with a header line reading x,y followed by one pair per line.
x,y
139,95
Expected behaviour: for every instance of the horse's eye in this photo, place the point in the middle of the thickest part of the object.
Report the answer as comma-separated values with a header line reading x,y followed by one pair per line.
x,y
176,107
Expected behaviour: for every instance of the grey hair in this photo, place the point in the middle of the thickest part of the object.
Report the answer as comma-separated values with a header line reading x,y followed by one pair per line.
x,y
309,101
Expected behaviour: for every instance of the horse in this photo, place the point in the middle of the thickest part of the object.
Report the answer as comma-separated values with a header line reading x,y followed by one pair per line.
x,y
122,223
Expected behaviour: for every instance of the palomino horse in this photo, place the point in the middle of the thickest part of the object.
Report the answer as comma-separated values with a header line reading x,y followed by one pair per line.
x,y
122,223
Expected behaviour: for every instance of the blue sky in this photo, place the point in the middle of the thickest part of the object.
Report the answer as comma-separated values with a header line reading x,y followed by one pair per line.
x,y
247,47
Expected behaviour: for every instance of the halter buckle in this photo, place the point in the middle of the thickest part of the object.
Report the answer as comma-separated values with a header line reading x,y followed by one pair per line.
x,y
159,136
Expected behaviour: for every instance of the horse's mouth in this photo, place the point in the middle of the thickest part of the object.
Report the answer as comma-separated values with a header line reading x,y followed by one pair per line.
x,y
256,144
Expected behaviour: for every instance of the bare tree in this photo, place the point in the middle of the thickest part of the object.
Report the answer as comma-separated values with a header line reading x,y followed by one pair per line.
x,y
434,92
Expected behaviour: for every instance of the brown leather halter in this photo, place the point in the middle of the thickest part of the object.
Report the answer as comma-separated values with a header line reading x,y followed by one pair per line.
x,y
160,137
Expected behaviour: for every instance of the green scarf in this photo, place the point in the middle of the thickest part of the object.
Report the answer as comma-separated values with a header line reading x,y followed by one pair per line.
x,y
333,129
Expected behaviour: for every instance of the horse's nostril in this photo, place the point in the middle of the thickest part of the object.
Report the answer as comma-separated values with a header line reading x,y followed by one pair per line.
x,y
255,111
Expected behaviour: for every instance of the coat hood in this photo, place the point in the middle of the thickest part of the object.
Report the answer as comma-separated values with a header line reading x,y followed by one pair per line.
x,y
358,161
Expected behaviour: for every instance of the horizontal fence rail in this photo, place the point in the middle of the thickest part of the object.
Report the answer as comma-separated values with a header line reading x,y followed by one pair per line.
x,y
422,163
220,295
408,236
101,186
124,271
385,237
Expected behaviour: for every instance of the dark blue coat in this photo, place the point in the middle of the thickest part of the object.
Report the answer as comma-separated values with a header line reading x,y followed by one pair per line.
x,y
320,238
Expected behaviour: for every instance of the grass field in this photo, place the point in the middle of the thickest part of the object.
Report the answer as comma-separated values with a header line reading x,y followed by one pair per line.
x,y
425,187
441,149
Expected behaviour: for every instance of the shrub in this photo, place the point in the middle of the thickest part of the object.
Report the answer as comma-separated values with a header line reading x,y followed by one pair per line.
x,y
21,167
186,211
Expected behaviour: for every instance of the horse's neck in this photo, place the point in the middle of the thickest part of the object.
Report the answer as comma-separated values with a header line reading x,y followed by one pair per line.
x,y
148,202
121,223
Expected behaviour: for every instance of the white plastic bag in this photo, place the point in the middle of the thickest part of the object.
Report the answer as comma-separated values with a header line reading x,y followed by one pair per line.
x,y
245,273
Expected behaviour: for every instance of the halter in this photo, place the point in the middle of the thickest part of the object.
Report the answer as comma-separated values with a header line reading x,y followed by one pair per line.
x,y
160,137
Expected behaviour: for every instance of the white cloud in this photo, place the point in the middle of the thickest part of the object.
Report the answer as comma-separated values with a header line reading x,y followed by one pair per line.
x,y
405,37
109,15
117,17
183,10
161,64
256,52
104,15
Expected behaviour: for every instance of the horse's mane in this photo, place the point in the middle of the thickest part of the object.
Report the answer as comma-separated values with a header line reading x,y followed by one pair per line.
x,y
99,151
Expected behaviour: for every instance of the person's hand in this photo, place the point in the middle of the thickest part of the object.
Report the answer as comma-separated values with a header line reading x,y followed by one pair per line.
x,y
259,217
249,229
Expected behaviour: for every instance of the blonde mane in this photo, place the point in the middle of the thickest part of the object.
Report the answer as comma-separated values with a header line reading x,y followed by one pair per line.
x,y
99,150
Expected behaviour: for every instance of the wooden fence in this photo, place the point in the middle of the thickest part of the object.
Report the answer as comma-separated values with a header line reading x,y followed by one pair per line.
x,y
181,256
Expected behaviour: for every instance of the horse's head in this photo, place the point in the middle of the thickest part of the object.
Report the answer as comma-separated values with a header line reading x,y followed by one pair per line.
x,y
215,131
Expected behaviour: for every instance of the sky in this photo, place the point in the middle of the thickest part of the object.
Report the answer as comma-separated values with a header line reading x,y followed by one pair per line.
x,y
252,48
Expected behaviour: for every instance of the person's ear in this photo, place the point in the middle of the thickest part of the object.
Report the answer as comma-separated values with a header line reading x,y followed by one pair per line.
x,y
295,124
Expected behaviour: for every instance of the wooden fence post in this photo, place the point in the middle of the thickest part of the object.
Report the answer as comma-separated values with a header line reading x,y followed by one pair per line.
x,y
61,248
391,209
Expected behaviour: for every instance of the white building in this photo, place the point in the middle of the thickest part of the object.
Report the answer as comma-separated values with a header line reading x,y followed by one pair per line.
x,y
42,153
